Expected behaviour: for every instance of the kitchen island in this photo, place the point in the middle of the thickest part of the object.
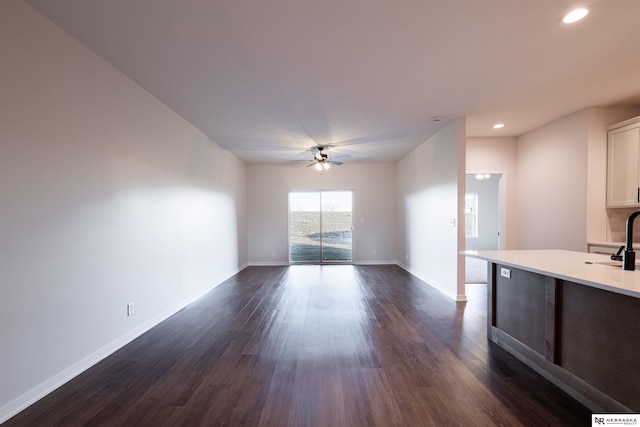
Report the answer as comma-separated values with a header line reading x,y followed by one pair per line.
x,y
571,316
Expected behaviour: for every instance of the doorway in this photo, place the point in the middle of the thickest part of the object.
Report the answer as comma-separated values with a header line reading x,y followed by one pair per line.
x,y
320,227
482,222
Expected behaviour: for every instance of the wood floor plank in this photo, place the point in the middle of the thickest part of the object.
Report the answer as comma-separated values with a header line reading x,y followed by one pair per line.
x,y
313,346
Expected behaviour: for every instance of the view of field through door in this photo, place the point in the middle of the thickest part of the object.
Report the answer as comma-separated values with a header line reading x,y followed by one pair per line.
x,y
320,226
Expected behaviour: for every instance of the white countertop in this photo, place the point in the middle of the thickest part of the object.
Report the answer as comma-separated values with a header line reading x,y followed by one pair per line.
x,y
577,267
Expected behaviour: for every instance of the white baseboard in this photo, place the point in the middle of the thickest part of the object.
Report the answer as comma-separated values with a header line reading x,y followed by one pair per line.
x,y
457,298
376,262
267,264
279,264
41,390
407,269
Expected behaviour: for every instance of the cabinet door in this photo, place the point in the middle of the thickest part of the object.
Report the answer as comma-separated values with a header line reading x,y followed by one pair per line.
x,y
622,169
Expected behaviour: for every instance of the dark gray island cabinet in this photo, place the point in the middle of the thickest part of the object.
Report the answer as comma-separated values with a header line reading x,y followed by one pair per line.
x,y
572,317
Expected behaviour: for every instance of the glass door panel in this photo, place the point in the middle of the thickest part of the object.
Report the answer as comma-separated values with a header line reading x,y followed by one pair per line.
x,y
337,224
304,229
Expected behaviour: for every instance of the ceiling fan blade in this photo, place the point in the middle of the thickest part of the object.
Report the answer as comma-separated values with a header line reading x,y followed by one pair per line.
x,y
368,139
341,157
296,162
333,162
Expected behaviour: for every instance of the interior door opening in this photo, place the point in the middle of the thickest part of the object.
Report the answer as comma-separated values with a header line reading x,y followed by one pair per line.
x,y
482,222
320,226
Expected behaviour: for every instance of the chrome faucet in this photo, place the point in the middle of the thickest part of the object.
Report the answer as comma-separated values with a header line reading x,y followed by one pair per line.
x,y
629,256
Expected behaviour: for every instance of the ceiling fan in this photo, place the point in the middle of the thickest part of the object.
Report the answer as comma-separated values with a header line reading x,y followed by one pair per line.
x,y
321,160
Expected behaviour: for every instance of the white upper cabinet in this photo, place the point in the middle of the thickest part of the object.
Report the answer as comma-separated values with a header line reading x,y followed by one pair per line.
x,y
623,164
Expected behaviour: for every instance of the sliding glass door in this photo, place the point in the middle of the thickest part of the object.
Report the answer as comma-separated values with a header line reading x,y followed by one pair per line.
x,y
320,226
337,224
304,227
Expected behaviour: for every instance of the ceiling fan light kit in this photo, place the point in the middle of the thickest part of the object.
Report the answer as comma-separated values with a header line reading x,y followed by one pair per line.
x,y
321,161
321,165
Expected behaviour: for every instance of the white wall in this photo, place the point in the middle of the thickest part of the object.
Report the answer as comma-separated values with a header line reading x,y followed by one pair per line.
x,y
498,156
373,208
430,191
552,177
107,197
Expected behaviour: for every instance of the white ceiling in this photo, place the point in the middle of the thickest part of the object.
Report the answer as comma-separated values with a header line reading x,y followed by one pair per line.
x,y
268,79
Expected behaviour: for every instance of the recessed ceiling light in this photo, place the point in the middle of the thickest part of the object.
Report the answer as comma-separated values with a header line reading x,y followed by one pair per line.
x,y
498,126
575,15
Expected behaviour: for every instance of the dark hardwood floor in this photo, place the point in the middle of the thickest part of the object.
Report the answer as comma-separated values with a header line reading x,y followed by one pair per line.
x,y
313,346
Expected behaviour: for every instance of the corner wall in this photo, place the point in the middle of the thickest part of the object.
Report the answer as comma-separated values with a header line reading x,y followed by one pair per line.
x,y
430,205
107,197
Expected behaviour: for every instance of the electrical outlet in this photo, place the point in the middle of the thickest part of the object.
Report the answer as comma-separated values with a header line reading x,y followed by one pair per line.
x,y
129,309
273,253
505,272
374,252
